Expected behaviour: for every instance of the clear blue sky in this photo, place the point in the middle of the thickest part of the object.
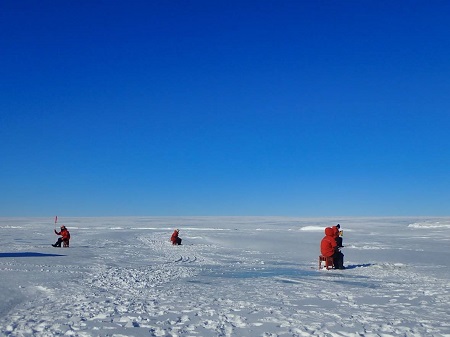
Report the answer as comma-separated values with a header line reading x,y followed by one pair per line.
x,y
296,108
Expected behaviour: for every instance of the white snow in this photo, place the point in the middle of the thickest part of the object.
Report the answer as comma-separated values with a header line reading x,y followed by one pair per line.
x,y
233,276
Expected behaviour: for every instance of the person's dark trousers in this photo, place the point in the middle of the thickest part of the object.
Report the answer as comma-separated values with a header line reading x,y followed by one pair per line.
x,y
338,259
178,241
58,243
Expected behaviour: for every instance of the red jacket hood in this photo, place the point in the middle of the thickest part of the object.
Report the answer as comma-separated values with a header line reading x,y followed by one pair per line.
x,y
329,231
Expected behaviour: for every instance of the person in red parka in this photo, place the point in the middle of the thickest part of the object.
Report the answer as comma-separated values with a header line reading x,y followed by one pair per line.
x,y
336,234
65,237
329,248
176,240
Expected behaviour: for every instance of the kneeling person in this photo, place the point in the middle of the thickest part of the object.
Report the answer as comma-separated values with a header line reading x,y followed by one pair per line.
x,y
176,240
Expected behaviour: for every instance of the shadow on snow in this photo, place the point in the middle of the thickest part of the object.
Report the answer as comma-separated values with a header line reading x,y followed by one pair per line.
x,y
353,266
27,254
262,272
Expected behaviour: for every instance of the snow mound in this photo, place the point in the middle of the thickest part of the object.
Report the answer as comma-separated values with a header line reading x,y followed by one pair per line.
x,y
313,228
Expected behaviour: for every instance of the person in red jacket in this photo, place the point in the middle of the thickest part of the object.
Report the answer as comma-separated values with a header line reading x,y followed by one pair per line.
x,y
65,237
329,248
337,235
176,240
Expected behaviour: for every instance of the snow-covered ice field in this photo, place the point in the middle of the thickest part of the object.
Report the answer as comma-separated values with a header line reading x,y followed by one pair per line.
x,y
233,276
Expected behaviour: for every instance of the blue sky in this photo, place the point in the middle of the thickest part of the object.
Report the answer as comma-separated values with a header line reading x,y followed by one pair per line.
x,y
295,108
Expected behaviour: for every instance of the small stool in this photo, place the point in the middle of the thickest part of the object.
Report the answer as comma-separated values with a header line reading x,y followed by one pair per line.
x,y
328,262
66,243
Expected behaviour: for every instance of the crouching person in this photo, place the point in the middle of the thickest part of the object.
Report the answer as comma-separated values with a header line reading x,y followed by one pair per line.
x,y
176,240
329,248
65,237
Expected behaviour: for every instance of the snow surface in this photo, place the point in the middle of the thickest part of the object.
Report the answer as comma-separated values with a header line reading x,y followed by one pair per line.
x,y
233,276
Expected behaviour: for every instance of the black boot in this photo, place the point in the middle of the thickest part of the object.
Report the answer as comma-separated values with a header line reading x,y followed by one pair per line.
x,y
58,243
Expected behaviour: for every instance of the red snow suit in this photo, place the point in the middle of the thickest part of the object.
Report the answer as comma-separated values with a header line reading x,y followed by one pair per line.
x,y
64,233
174,237
328,244
335,231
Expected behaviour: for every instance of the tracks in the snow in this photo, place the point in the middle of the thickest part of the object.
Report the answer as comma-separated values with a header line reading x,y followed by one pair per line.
x,y
186,259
